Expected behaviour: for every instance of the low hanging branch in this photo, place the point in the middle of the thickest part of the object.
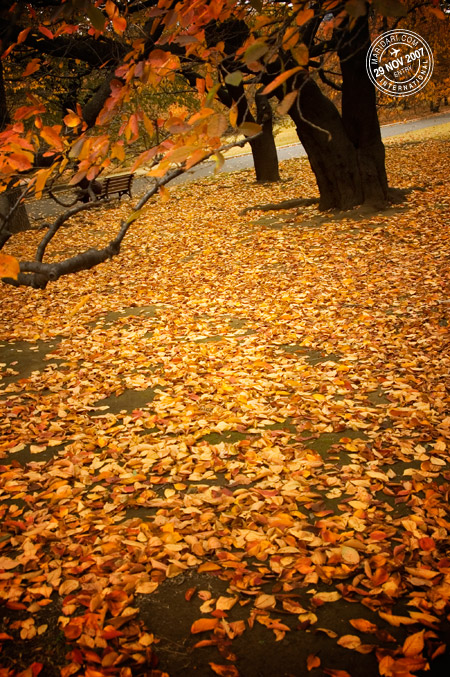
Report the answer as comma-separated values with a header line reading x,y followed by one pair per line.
x,y
37,274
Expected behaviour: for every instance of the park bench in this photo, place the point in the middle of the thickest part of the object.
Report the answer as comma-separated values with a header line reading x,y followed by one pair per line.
x,y
120,184
112,185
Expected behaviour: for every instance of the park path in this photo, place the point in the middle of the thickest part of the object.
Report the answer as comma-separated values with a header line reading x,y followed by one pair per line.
x,y
44,209
237,163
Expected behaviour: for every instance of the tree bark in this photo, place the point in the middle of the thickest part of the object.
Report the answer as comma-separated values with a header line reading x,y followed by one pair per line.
x,y
5,118
18,222
264,150
265,157
359,113
332,156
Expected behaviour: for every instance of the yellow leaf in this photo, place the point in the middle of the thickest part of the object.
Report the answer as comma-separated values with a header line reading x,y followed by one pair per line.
x,y
349,641
396,621
265,601
164,194
79,305
226,603
413,644
146,587
327,596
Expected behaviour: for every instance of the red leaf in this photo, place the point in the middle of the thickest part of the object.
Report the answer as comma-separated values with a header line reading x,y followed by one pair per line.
x,y
46,32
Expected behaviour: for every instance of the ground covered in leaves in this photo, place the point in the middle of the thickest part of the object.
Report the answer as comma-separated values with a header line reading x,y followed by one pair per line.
x,y
226,451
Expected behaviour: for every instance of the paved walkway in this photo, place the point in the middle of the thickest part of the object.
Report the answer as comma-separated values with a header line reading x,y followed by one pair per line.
x,y
44,209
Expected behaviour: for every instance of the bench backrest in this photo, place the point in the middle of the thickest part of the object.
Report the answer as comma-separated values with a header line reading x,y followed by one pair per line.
x,y
117,184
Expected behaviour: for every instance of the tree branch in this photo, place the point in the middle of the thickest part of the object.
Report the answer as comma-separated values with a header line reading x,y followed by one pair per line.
x,y
37,274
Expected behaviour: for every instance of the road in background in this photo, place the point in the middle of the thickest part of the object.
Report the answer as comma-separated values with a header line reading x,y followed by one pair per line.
x,y
234,164
45,209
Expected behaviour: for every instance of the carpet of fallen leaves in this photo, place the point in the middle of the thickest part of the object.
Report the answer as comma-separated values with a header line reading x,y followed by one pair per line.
x,y
246,414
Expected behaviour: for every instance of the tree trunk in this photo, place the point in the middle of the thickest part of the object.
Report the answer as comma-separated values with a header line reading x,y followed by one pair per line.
x,y
332,156
264,150
18,222
4,112
359,113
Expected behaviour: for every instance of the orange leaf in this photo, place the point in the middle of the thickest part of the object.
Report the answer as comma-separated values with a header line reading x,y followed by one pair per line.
x,y
4,636
303,16
385,666
119,24
225,670
208,566
189,594
363,625
413,645
233,115
265,601
9,267
32,67
336,673
23,35
312,662
51,135
203,625
71,119
21,161
280,79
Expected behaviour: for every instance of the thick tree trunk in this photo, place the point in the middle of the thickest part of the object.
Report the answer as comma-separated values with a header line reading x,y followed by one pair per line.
x,y
359,113
332,156
264,150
